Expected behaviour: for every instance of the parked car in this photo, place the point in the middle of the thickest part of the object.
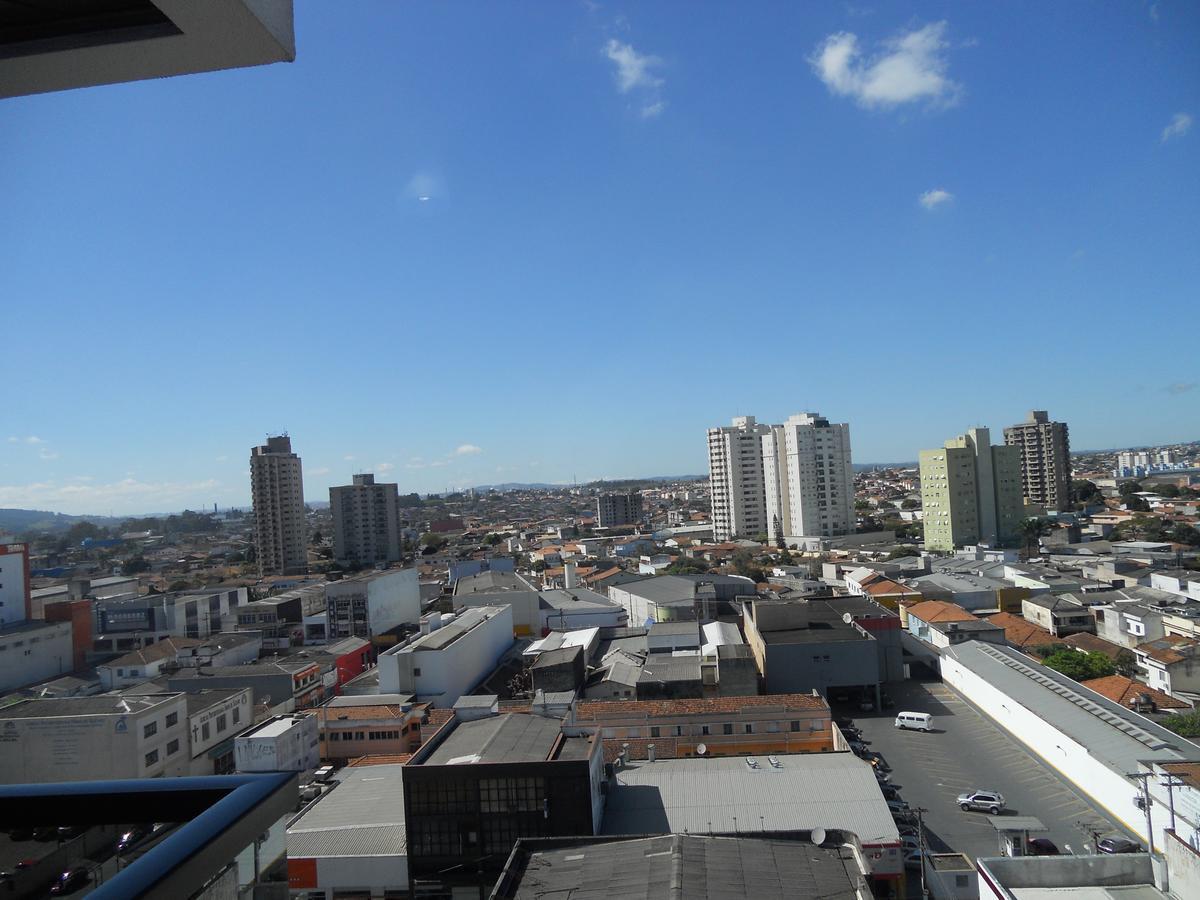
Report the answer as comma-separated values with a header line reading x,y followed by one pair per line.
x,y
910,842
889,792
1118,845
988,801
45,833
66,832
1041,847
917,721
70,881
912,859
898,806
21,833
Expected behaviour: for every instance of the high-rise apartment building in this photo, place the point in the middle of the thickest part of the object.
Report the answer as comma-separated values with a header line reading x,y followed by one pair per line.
x,y
819,493
277,486
970,492
366,522
1045,451
735,472
618,509
787,480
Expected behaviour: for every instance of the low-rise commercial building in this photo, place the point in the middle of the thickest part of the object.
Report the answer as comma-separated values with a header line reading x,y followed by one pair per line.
x,y
215,717
94,738
680,867
1092,742
280,744
671,598
440,666
352,841
279,686
372,604
734,726
479,786
781,795
801,647
33,651
385,725
1171,664
190,614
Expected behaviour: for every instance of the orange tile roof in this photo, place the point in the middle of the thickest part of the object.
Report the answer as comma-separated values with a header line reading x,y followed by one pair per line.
x,y
595,710
1121,690
1164,650
885,587
940,611
1188,771
1019,632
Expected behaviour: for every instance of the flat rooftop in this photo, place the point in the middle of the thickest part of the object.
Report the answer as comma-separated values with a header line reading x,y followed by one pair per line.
x,y
706,796
101,705
508,738
362,816
679,867
275,727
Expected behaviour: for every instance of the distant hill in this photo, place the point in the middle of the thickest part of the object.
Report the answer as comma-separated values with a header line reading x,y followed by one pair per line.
x,y
866,467
21,520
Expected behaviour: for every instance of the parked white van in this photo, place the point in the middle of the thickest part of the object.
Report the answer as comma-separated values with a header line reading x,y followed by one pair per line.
x,y
915,720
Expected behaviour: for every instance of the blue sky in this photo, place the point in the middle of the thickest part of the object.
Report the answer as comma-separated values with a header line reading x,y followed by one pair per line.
x,y
459,244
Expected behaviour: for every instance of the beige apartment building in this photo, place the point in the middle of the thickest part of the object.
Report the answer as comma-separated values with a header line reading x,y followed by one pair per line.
x,y
970,492
277,486
1045,451
366,522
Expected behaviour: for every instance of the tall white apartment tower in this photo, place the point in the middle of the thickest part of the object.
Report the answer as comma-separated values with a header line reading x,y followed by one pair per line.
x,y
816,493
277,486
366,522
735,471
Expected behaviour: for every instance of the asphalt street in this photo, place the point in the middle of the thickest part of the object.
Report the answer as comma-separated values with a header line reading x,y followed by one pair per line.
x,y
966,751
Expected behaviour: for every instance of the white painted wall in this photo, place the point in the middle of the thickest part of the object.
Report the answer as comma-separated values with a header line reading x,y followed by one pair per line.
x,y
442,676
33,655
294,749
1113,791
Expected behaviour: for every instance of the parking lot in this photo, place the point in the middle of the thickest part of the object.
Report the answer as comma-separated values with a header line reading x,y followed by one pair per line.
x,y
966,751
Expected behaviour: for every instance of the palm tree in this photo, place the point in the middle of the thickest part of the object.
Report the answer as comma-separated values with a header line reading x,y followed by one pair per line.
x,y
1032,531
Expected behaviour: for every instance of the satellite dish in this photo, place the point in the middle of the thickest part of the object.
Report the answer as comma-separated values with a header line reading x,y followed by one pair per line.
x,y
818,836
701,749
847,618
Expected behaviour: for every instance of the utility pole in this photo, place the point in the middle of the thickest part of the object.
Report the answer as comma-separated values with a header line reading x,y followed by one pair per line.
x,y
920,810
1143,779
1170,784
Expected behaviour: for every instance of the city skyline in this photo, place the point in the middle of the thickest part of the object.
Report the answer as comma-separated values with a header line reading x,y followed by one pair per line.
x,y
880,202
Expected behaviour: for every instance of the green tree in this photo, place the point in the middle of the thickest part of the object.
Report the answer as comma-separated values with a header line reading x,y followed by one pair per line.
x,y
762,538
436,541
1183,533
1128,487
861,504
1080,666
1085,492
901,552
685,566
135,564
1134,503
1031,532
1184,724
1167,490
785,557
81,531
1126,663
910,503
492,539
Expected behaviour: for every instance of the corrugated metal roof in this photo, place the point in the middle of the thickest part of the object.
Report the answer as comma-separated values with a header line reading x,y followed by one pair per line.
x,y
685,866
1112,734
705,795
362,816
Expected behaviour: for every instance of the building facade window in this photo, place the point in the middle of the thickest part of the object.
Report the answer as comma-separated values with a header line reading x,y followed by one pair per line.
x,y
151,757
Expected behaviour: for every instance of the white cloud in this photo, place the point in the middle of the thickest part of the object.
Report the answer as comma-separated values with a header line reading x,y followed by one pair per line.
x,y
653,110
320,470
31,439
1180,125
935,198
222,458
120,497
384,467
45,453
468,450
349,457
910,67
633,68
424,186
